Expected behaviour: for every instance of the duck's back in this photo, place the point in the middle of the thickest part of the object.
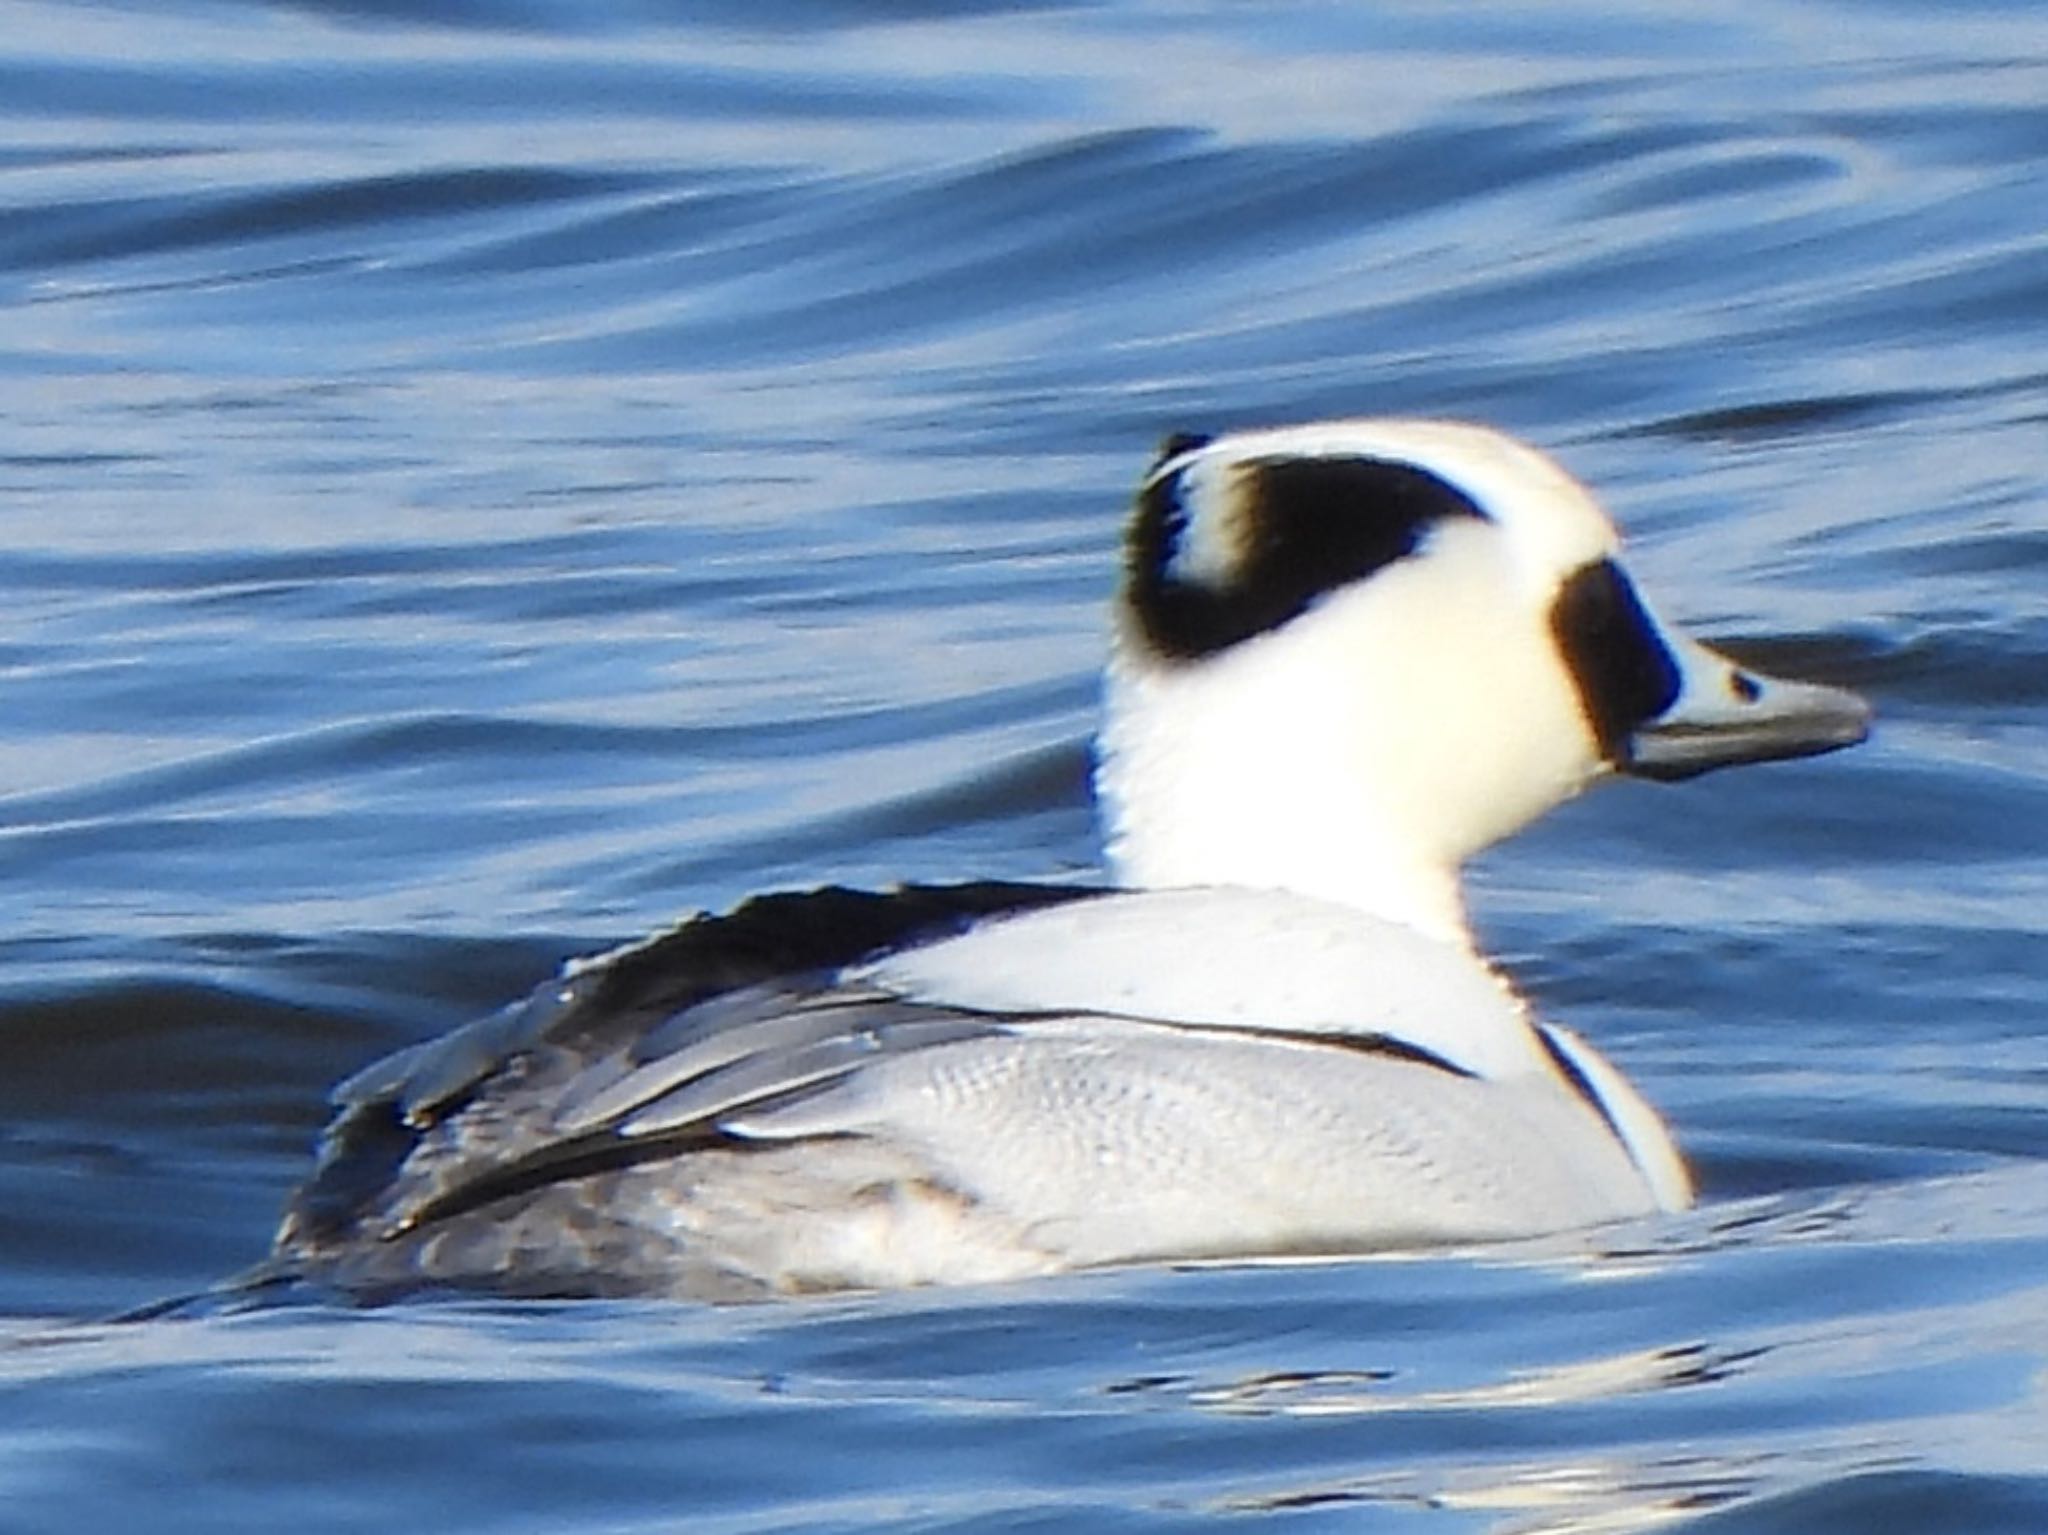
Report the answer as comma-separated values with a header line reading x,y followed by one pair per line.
x,y
844,1089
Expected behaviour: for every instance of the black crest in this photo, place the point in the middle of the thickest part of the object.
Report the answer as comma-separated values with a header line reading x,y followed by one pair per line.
x,y
1309,525
1176,443
1625,675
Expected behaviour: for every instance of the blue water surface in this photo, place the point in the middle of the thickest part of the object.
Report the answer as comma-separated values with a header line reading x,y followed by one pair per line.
x,y
481,479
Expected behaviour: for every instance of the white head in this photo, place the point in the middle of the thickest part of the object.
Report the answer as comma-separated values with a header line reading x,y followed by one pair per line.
x,y
1351,654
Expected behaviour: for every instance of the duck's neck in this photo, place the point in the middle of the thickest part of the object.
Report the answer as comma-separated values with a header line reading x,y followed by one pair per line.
x,y
1236,791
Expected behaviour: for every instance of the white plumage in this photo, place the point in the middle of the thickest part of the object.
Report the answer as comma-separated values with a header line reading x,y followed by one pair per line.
x,y
1348,656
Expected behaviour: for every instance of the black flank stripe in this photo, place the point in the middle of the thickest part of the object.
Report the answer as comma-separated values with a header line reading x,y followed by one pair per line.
x,y
1360,1044
1576,1079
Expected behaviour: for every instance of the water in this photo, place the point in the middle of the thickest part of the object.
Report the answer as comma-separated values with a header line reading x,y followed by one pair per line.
x,y
482,479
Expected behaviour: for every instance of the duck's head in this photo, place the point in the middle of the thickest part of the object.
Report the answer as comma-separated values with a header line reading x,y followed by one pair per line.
x,y
1351,654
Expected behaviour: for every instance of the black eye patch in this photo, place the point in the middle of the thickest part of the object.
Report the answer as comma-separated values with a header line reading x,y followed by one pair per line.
x,y
1624,673
1311,525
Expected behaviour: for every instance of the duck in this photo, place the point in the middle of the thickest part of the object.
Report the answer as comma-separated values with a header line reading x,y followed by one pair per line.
x,y
1347,655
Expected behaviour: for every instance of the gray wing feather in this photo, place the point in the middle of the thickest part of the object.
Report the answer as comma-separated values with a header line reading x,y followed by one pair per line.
x,y
784,1074
421,1078
645,1051
770,1047
727,1012
749,1065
